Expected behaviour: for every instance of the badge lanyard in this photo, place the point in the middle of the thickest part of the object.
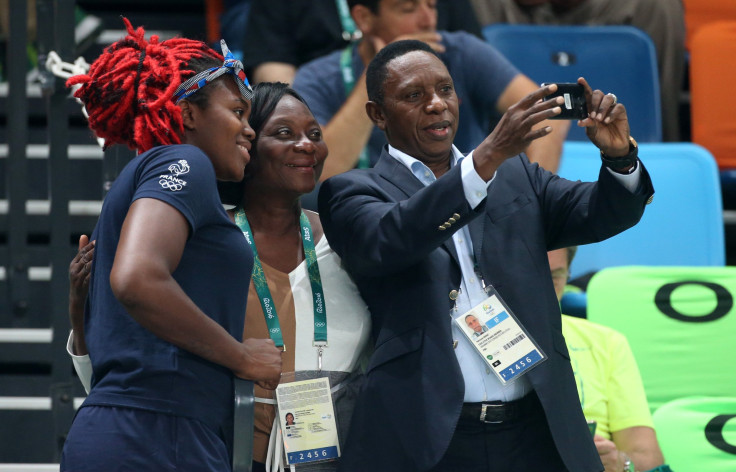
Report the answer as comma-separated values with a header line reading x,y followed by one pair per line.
x,y
507,349
349,31
264,294
348,80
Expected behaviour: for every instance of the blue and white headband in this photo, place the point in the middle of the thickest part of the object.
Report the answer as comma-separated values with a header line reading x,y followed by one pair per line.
x,y
230,66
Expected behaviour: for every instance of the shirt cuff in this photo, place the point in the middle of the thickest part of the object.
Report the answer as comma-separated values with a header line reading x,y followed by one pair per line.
x,y
630,181
475,188
82,364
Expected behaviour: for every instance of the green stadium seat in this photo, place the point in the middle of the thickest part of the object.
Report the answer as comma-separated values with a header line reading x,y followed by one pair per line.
x,y
698,433
680,323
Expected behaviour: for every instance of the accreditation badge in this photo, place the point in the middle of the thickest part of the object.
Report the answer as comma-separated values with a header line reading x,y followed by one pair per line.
x,y
307,419
499,338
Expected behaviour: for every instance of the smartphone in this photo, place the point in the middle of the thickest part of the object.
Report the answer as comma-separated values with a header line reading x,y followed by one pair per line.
x,y
574,107
591,426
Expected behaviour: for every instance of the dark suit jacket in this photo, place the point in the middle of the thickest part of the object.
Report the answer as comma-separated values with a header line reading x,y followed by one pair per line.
x,y
386,227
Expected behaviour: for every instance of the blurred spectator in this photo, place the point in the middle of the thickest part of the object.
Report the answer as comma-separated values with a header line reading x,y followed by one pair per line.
x,y
662,20
5,18
232,21
86,30
284,34
486,84
609,385
5,32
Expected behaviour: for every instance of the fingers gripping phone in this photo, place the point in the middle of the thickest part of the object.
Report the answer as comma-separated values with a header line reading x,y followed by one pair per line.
x,y
574,107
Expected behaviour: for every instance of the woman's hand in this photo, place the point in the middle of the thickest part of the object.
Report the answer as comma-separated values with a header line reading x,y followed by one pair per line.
x,y
261,363
79,274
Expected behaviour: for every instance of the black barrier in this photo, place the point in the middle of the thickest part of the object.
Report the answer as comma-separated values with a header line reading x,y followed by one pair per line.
x,y
663,301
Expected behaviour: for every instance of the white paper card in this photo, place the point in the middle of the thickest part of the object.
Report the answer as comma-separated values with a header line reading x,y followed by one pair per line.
x,y
307,419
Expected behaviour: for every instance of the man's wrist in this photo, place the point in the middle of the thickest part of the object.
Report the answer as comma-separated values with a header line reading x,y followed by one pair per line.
x,y
622,164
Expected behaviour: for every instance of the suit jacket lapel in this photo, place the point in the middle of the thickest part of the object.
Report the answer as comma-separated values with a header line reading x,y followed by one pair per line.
x,y
476,227
397,174
401,177
449,244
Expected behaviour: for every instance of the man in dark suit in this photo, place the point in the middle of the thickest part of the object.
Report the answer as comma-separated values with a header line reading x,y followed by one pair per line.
x,y
426,233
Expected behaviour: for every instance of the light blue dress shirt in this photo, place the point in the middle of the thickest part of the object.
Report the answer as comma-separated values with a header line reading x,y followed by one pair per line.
x,y
481,384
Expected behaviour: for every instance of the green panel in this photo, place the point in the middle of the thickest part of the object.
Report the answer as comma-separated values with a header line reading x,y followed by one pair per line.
x,y
698,434
683,338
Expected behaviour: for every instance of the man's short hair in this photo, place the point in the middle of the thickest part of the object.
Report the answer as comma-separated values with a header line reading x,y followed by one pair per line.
x,y
468,316
377,71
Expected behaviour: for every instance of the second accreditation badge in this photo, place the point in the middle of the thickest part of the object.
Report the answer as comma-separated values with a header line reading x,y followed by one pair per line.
x,y
307,419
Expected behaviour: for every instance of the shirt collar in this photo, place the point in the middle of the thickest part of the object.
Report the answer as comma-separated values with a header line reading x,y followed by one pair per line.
x,y
418,168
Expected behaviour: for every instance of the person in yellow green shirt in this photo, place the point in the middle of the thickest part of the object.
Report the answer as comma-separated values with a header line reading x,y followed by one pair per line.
x,y
609,385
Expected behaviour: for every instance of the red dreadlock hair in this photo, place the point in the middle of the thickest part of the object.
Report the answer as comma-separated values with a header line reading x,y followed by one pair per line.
x,y
129,88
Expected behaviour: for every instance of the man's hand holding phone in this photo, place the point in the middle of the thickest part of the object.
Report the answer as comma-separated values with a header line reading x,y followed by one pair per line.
x,y
574,106
602,116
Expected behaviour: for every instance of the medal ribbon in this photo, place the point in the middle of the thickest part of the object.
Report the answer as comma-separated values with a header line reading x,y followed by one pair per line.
x,y
264,294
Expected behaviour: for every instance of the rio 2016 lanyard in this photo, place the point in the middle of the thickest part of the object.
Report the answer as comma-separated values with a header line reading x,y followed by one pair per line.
x,y
349,31
264,294
348,80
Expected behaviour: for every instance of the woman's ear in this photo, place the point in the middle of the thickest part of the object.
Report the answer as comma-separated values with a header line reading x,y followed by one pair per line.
x,y
187,114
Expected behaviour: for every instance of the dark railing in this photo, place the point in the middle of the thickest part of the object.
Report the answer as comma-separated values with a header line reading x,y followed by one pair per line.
x,y
56,33
51,160
16,266
33,362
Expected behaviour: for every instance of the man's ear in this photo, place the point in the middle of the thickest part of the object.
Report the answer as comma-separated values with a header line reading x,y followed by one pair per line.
x,y
187,114
375,113
363,18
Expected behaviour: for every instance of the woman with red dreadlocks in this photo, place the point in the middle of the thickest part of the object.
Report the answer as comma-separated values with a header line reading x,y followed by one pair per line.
x,y
168,285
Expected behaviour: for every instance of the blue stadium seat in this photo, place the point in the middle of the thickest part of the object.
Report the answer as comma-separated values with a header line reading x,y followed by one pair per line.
x,y
682,226
618,59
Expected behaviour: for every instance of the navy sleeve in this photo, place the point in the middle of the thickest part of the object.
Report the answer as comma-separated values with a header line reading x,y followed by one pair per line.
x,y
183,177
